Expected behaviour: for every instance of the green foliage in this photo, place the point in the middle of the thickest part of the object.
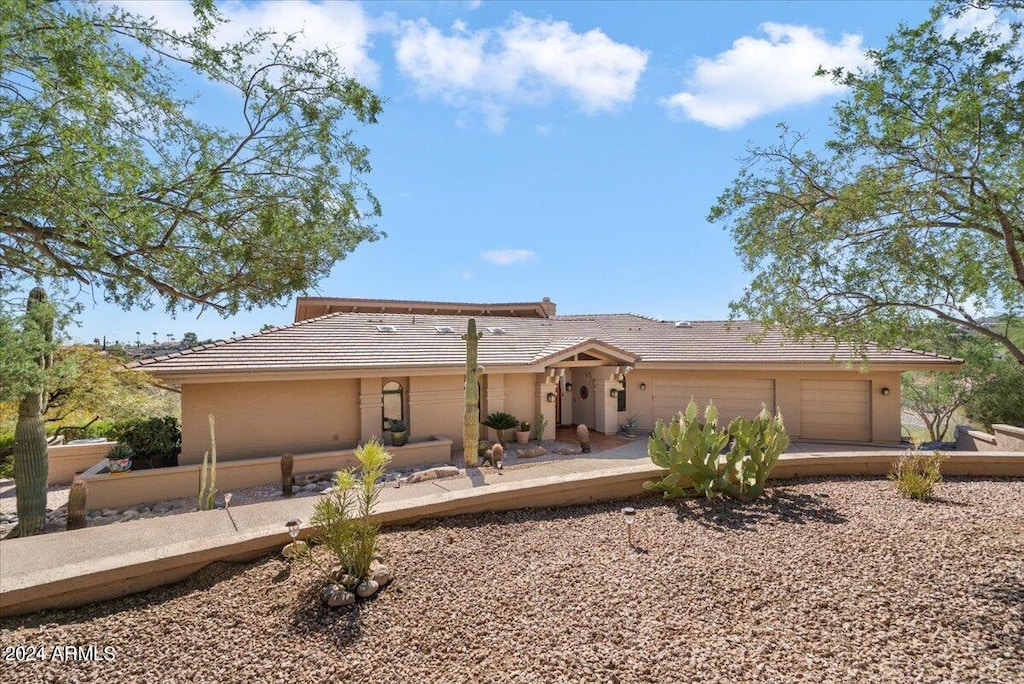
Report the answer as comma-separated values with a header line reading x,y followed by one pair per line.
x,y
524,427
699,463
540,424
207,500
500,420
157,441
912,210
915,473
398,425
109,180
1001,398
343,520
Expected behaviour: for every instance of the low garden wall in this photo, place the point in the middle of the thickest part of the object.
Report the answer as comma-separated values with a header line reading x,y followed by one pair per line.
x,y
159,484
68,460
1005,438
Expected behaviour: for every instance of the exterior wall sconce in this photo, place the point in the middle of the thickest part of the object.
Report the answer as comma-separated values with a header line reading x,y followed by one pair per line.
x,y
551,397
568,387
614,392
886,391
643,386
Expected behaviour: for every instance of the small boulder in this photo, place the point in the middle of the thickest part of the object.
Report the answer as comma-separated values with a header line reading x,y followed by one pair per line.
x,y
367,588
434,474
294,549
532,453
380,574
340,598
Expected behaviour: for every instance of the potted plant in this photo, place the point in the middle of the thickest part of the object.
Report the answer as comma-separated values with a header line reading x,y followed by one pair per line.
x,y
630,428
500,422
523,433
119,459
399,432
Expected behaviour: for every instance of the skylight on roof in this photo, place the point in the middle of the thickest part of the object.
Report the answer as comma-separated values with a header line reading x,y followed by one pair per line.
x,y
497,331
683,324
386,328
444,329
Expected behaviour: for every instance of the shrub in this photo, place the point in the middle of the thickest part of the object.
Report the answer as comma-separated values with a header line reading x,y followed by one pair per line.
x,y
155,441
343,521
398,425
915,473
501,422
703,459
540,425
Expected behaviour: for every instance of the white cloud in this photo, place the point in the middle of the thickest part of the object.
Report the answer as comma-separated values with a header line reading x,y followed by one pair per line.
x,y
341,27
986,20
527,61
544,129
505,256
757,75
474,4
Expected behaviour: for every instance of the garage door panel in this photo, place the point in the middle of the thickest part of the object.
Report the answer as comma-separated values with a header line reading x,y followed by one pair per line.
x,y
835,410
731,397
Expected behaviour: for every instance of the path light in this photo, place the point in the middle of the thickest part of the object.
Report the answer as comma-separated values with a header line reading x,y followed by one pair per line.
x,y
293,528
629,515
227,500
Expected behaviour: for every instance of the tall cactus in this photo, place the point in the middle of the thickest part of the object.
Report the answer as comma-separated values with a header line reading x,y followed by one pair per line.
x,y
30,456
471,419
76,505
208,475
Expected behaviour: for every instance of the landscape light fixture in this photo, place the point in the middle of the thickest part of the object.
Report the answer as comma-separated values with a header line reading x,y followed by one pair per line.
x,y
227,500
568,387
293,528
629,515
885,391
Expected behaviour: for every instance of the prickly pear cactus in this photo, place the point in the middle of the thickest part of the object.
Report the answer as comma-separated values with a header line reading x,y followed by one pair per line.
x,y
31,464
471,420
697,460
583,435
76,505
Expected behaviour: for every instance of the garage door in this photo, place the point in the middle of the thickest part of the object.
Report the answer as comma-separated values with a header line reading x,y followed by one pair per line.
x,y
835,409
731,397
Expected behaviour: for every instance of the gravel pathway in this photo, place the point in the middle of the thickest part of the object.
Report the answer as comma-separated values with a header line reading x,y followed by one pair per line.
x,y
824,580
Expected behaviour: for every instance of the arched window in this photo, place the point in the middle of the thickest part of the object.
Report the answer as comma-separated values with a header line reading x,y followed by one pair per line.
x,y
394,404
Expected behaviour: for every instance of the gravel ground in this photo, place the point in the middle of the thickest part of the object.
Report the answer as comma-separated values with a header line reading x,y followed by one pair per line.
x,y
824,580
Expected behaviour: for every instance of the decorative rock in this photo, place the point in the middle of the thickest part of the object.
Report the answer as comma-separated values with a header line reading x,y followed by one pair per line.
x,y
341,598
367,588
131,514
434,474
381,574
109,511
532,453
294,549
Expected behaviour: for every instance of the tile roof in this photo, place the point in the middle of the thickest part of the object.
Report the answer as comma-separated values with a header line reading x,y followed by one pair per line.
x,y
351,341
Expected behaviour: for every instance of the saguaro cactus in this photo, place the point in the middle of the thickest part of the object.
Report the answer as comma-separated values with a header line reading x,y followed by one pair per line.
x,y
471,419
208,475
30,457
76,505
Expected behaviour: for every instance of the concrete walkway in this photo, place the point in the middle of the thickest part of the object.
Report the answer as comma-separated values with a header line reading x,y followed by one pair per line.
x,y
74,568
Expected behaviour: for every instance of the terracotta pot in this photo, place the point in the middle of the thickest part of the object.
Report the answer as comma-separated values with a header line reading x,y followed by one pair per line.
x,y
522,436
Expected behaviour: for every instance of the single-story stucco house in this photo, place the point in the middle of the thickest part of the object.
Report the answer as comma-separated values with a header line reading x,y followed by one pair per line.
x,y
329,380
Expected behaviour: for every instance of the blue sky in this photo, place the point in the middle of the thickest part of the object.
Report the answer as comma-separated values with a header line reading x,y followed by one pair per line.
x,y
561,149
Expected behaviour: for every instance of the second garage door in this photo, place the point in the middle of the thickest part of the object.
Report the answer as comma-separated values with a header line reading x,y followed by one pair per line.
x,y
835,409
732,397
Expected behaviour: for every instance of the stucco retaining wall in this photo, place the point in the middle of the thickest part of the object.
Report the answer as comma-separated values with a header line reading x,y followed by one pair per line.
x,y
1006,438
68,460
159,484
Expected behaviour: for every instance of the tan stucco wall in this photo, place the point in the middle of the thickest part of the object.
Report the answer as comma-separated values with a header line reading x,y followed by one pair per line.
x,y
885,410
256,419
521,396
436,406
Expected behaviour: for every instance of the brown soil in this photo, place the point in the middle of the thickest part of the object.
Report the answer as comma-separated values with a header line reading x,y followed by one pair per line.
x,y
822,581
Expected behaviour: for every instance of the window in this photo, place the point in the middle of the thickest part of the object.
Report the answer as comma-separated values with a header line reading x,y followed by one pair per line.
x,y
393,407
386,328
622,397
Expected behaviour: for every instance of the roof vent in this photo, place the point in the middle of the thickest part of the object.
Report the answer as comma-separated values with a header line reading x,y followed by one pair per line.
x,y
497,331
444,329
386,328
683,324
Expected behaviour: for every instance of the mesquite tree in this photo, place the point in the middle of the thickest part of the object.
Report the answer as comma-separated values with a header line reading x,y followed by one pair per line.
x,y
471,419
30,458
